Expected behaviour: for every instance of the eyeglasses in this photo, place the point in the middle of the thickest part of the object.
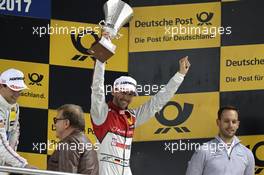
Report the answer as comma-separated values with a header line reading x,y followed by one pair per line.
x,y
56,119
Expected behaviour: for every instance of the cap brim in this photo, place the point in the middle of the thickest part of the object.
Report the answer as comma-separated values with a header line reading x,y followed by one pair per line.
x,y
20,87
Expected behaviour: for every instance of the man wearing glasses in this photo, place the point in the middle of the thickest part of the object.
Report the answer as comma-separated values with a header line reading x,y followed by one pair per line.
x,y
74,153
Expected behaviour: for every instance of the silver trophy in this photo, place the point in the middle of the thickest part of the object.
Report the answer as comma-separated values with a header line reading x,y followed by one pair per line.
x,y
117,14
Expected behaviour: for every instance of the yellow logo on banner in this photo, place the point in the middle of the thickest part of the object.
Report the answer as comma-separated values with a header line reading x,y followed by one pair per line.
x,y
256,144
176,27
186,116
37,80
242,68
68,49
53,140
89,129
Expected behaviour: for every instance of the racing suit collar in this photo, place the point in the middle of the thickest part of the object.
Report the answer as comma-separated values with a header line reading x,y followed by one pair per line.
x,y
4,103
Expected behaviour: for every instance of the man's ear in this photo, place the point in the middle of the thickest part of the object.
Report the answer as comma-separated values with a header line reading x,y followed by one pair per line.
x,y
218,122
67,123
114,92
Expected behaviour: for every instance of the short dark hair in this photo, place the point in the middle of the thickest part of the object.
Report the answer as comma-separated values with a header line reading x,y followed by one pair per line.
x,y
74,114
221,110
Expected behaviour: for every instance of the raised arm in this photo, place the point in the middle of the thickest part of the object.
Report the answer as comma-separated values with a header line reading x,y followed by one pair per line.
x,y
155,104
99,107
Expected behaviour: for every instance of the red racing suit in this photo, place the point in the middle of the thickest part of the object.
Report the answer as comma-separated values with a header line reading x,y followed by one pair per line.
x,y
114,127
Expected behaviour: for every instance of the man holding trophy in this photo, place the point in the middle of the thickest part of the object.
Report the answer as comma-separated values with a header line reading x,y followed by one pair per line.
x,y
113,122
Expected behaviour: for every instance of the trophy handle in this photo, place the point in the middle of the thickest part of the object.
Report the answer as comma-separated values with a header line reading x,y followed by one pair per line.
x,y
105,27
119,35
102,23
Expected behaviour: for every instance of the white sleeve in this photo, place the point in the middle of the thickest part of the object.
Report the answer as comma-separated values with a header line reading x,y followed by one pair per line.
x,y
250,169
99,108
8,155
155,104
14,137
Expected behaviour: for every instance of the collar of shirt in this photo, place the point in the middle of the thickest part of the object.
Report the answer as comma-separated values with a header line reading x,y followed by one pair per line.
x,y
229,146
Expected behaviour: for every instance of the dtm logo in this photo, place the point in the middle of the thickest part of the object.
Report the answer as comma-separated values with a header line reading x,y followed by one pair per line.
x,y
76,41
259,162
183,114
35,79
204,18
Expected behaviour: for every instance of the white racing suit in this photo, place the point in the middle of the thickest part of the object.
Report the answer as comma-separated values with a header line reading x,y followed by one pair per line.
x,y
9,134
114,127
